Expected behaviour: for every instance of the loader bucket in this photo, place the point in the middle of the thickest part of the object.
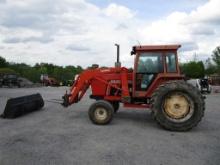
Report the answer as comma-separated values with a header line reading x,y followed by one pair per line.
x,y
19,106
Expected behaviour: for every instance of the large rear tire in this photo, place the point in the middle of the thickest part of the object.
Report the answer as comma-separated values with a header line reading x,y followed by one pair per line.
x,y
177,106
101,112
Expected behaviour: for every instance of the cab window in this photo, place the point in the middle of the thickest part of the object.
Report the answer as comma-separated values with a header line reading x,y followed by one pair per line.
x,y
171,62
150,63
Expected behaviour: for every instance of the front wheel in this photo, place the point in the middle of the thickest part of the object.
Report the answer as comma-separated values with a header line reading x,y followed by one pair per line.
x,y
178,106
101,112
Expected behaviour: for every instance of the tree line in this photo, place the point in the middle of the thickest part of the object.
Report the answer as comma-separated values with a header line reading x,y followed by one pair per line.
x,y
198,69
192,69
33,73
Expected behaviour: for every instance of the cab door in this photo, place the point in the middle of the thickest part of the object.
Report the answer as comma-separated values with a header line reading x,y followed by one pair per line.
x,y
147,66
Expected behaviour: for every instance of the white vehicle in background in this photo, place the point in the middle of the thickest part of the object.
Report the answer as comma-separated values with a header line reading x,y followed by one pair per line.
x,y
202,84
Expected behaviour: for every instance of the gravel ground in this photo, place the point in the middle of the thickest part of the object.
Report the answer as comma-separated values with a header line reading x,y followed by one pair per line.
x,y
57,135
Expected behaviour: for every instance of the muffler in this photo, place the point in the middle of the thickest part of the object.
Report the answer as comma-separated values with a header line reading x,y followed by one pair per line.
x,y
19,106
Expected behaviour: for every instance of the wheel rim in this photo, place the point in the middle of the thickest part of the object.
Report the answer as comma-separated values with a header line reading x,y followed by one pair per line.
x,y
100,114
178,107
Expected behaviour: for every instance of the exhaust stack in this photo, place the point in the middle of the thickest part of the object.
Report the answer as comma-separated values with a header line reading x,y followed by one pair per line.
x,y
118,63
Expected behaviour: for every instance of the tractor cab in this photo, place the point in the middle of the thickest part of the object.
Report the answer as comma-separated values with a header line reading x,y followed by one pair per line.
x,y
152,63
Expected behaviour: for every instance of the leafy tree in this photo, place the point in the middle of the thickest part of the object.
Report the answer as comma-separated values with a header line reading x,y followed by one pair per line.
x,y
216,57
50,68
210,67
19,68
7,71
58,73
79,69
3,62
42,70
201,69
33,72
193,69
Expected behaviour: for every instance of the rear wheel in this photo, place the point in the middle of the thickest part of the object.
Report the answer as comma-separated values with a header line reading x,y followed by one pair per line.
x,y
178,106
101,112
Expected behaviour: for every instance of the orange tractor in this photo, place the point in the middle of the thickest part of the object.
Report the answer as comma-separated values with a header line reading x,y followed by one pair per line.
x,y
154,83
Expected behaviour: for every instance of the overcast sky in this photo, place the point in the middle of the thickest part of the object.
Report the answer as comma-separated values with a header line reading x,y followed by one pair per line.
x,y
83,32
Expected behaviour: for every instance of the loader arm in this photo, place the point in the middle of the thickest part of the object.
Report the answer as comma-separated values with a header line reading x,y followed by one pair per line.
x,y
85,79
79,87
